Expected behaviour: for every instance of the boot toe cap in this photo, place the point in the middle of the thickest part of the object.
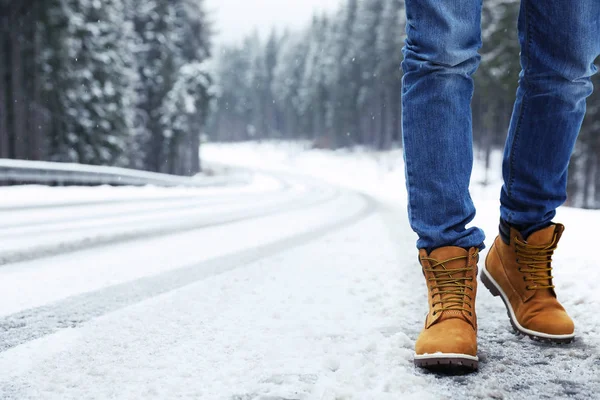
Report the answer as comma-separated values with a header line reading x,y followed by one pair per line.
x,y
461,339
558,323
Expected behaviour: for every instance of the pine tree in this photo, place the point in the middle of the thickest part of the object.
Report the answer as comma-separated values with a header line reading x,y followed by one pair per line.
x,y
194,84
183,113
155,26
92,77
341,113
390,38
258,85
364,58
314,93
287,79
4,133
272,118
170,35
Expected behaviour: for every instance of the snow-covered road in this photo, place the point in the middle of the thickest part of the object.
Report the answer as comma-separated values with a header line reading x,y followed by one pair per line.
x,y
295,290
36,230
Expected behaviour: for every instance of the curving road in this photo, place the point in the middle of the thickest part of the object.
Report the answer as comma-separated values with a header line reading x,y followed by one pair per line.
x,y
296,290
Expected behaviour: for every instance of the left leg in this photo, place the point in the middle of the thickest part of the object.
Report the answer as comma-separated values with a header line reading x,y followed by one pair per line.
x,y
559,41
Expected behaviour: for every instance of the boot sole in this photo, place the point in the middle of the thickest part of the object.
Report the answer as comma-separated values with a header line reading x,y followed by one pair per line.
x,y
447,363
495,289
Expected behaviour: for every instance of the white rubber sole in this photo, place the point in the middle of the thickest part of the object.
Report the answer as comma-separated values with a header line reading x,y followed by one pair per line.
x,y
445,355
447,362
496,290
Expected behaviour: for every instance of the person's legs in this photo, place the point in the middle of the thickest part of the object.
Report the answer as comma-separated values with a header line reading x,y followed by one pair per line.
x,y
440,55
559,41
443,37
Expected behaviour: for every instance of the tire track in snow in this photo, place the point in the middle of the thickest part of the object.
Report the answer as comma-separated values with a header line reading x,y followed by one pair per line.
x,y
236,182
124,217
162,205
157,228
17,329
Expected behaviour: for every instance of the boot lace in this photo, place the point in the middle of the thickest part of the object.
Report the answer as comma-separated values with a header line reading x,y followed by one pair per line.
x,y
535,262
451,288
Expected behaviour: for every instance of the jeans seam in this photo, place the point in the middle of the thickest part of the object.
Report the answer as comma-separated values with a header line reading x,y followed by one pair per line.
x,y
407,171
523,107
411,208
408,177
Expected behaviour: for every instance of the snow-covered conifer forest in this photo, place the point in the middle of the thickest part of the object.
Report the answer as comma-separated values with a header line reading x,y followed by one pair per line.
x,y
111,82
135,83
338,82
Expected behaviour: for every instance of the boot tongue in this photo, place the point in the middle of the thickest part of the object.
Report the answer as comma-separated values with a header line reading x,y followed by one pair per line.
x,y
543,236
446,253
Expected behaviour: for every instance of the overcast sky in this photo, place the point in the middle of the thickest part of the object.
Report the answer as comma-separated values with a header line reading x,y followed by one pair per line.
x,y
235,18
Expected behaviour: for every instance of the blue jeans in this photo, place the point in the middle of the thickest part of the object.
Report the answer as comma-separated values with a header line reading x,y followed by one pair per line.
x,y
560,39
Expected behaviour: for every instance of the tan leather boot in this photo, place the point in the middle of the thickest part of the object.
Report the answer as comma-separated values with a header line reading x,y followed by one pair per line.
x,y
449,339
519,271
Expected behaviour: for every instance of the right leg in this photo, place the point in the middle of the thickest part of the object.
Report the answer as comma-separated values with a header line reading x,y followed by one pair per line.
x,y
440,56
560,39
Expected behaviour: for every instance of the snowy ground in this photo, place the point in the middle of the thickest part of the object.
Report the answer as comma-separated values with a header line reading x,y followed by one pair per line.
x,y
319,297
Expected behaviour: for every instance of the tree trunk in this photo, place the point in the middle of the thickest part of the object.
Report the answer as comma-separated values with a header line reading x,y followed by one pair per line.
x,y
18,97
35,130
363,126
488,159
396,108
320,113
170,165
4,143
194,148
199,156
386,119
375,122
588,173
155,153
